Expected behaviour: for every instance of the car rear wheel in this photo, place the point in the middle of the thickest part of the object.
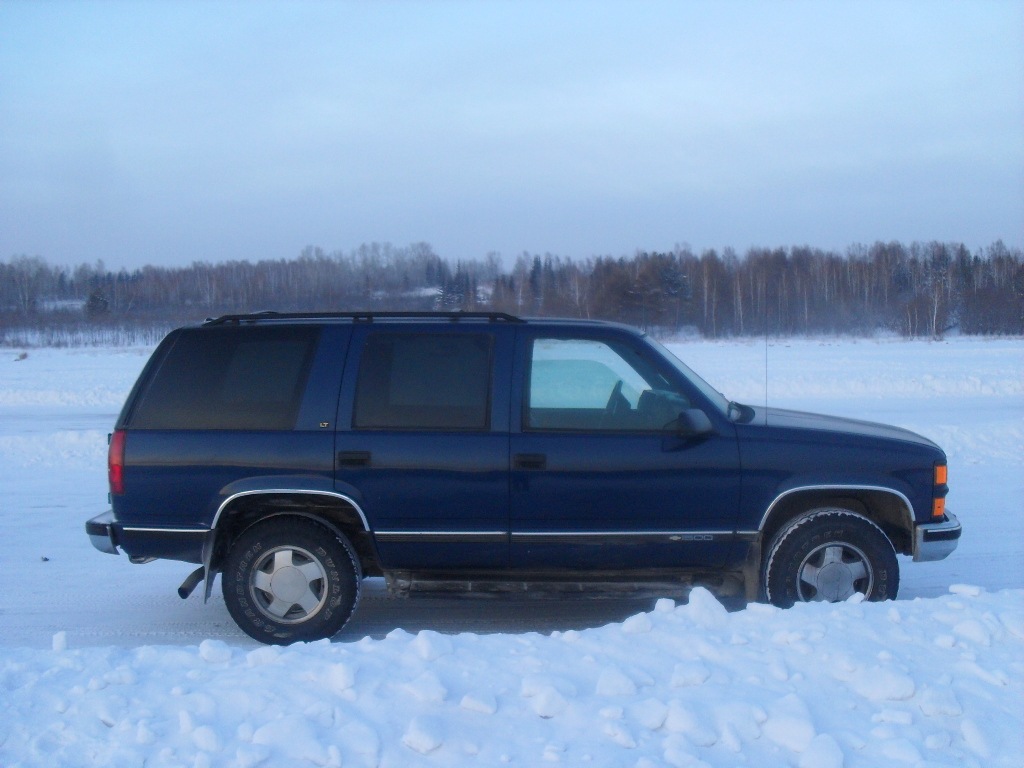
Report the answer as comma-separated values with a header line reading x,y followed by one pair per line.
x,y
290,579
829,555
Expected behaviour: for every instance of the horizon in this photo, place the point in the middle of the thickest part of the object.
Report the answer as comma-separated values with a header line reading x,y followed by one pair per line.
x,y
507,264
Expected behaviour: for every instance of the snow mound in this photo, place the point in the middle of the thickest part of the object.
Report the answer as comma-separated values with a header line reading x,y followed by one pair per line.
x,y
818,685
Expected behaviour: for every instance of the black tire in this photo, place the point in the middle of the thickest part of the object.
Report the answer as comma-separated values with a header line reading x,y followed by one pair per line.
x,y
290,579
828,555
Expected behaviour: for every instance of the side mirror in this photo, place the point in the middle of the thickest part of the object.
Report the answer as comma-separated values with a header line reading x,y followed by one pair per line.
x,y
693,422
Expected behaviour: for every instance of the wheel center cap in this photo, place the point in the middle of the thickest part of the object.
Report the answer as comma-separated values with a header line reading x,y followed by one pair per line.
x,y
289,584
835,581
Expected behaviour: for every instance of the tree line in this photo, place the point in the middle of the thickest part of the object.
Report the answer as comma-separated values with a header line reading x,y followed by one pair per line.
x,y
916,290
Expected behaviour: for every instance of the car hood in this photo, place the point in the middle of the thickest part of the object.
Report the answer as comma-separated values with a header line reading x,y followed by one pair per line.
x,y
781,418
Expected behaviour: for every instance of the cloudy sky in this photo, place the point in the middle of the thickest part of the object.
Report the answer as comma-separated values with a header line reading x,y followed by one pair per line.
x,y
160,132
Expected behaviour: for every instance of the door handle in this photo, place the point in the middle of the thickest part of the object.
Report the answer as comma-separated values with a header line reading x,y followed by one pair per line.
x,y
353,458
530,461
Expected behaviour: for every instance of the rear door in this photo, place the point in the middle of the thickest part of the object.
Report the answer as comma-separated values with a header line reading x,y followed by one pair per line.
x,y
422,441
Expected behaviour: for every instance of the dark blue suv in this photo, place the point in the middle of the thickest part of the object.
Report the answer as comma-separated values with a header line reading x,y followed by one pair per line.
x,y
295,454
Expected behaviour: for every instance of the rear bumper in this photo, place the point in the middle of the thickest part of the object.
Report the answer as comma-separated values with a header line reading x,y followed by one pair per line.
x,y
934,541
102,533
143,544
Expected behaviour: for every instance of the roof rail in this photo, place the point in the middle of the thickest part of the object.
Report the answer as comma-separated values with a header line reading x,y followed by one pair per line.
x,y
363,317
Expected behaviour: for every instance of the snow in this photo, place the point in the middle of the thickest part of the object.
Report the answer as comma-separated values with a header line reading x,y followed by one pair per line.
x,y
102,664
848,684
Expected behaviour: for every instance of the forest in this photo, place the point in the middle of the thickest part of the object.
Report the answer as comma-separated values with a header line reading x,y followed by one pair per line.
x,y
916,290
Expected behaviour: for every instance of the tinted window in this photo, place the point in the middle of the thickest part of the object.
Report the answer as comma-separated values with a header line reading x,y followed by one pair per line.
x,y
584,384
231,378
424,381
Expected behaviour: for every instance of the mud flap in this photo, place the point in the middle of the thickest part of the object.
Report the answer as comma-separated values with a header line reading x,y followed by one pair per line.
x,y
752,573
208,572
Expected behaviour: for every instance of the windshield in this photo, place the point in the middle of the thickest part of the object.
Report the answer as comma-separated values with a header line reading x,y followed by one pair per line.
x,y
712,394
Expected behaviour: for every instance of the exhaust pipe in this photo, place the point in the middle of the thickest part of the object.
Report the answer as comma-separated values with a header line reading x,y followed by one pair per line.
x,y
190,583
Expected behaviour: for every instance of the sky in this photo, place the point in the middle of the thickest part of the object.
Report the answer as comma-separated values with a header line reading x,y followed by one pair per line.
x,y
171,132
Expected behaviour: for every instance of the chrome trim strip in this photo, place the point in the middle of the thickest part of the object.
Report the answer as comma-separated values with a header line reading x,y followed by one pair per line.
x,y
301,491
135,529
440,533
541,535
618,538
442,537
800,489
621,533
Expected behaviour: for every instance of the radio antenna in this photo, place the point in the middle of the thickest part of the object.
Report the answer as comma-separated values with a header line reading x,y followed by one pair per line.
x,y
765,301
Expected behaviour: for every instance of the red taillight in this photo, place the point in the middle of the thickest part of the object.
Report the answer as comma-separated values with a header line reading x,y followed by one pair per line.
x,y
115,462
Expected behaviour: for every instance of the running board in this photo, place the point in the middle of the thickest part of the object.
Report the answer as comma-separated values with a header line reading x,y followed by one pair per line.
x,y
407,585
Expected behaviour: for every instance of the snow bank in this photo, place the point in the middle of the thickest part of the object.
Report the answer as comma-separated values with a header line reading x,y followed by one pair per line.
x,y
933,679
933,682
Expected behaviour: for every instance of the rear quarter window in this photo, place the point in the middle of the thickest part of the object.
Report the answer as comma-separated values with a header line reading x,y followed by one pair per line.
x,y
229,378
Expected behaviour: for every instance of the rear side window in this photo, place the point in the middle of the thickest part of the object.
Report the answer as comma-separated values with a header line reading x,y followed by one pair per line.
x,y
424,381
232,378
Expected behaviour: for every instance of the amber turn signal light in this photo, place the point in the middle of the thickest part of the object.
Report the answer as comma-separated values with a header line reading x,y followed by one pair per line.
x,y
940,489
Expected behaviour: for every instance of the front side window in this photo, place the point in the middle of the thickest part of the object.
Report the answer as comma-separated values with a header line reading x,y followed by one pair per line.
x,y
424,381
591,385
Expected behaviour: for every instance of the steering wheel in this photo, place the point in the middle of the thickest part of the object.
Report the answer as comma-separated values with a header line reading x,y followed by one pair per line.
x,y
616,400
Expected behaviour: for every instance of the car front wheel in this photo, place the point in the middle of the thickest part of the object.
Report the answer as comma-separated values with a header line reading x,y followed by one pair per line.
x,y
290,579
829,555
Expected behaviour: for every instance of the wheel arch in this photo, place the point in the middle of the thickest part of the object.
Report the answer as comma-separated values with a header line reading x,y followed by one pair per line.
x,y
888,508
338,512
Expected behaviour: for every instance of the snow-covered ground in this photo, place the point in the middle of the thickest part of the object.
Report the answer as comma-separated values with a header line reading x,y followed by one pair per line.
x,y
102,664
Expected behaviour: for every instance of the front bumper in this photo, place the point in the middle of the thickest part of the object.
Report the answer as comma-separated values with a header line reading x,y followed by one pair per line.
x,y
102,533
934,541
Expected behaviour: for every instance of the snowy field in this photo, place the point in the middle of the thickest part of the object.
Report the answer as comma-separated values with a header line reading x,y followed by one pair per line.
x,y
102,665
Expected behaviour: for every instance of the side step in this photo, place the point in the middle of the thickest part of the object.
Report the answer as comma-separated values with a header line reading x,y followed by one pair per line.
x,y
403,584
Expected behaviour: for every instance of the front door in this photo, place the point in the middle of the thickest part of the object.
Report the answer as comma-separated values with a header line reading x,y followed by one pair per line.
x,y
602,478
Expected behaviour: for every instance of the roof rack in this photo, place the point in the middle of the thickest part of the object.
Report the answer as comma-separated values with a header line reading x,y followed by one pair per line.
x,y
363,317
